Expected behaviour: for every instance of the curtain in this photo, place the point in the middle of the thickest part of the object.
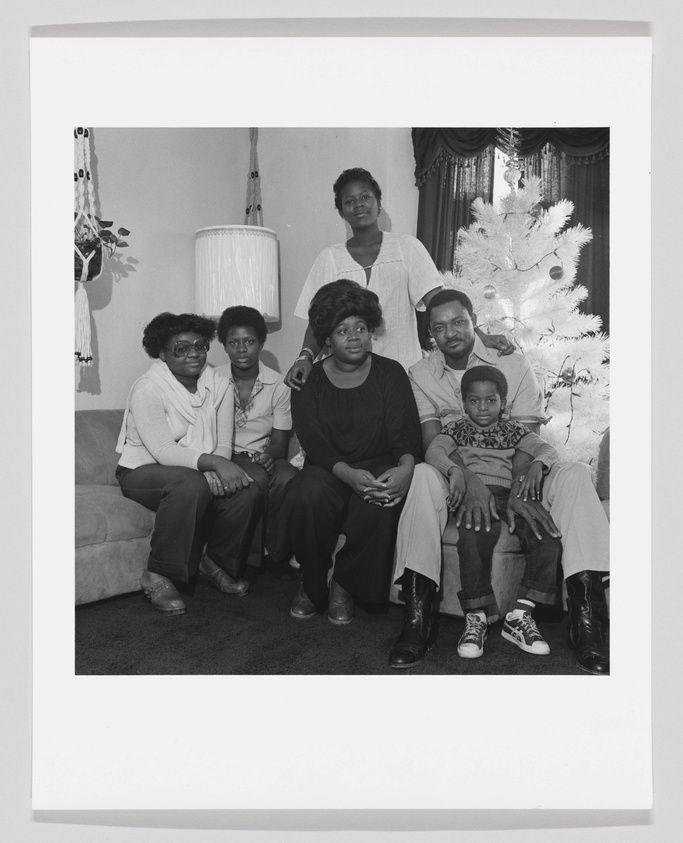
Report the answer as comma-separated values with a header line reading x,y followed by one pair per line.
x,y
445,202
454,166
584,180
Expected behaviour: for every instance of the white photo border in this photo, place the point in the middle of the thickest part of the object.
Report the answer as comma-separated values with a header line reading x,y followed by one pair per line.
x,y
92,745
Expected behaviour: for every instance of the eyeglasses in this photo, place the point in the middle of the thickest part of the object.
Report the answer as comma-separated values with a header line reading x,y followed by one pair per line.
x,y
182,349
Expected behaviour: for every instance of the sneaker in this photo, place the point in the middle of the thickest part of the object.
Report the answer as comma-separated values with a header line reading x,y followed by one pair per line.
x,y
522,631
471,644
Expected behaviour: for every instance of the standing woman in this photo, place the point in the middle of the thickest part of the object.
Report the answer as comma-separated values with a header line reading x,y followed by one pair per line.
x,y
175,447
357,422
396,267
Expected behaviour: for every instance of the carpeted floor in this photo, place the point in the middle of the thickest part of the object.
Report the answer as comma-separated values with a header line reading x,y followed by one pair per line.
x,y
255,635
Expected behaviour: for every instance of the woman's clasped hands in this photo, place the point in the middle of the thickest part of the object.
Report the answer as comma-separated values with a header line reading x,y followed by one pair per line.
x,y
387,490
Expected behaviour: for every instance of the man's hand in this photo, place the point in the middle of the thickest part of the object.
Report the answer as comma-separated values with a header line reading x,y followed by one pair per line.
x,y
478,506
533,512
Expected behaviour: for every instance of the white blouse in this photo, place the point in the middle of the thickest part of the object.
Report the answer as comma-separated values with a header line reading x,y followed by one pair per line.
x,y
400,276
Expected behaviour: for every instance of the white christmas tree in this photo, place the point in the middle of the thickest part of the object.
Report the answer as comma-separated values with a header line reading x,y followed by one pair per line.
x,y
517,263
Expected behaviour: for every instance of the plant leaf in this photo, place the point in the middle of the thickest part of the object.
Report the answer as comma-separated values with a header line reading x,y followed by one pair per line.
x,y
123,232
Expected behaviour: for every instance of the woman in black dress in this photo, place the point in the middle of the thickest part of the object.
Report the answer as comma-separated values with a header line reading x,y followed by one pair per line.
x,y
358,425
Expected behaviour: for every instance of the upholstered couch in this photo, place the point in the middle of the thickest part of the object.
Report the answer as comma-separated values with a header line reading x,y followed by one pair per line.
x,y
112,532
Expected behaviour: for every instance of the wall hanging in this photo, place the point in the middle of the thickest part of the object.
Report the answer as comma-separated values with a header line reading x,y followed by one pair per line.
x,y
93,240
238,264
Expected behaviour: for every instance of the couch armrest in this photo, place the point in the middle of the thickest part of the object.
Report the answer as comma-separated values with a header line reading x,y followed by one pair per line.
x,y
602,481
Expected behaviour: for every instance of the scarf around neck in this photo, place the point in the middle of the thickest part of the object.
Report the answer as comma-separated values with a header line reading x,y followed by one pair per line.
x,y
197,408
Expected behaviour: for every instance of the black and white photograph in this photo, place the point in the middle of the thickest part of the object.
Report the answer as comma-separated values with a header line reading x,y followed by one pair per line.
x,y
392,526
342,378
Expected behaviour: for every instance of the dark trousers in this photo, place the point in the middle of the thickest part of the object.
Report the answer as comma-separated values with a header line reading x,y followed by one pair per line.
x,y
475,551
318,509
273,490
189,517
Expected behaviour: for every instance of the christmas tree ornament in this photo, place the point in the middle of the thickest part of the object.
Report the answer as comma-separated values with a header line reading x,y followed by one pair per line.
x,y
556,273
513,171
489,291
536,210
513,174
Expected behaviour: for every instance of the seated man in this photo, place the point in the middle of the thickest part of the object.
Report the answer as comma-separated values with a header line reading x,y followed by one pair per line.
x,y
569,503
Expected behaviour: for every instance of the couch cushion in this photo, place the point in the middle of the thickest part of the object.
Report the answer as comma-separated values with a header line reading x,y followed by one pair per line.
x,y
104,515
97,432
111,568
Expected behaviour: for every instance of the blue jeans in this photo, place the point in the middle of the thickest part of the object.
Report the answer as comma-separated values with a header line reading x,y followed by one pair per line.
x,y
475,549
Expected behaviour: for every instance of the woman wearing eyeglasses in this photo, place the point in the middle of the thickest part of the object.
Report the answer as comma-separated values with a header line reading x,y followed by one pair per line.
x,y
175,447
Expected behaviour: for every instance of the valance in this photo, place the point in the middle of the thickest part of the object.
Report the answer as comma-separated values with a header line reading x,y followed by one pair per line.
x,y
431,145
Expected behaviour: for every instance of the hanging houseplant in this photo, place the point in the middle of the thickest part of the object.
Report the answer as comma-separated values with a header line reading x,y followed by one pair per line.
x,y
93,240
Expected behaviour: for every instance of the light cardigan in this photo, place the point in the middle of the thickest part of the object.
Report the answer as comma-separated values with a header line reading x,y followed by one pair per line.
x,y
167,424
401,275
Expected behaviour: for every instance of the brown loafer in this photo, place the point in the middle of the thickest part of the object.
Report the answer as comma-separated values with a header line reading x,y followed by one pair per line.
x,y
340,609
302,608
222,580
162,594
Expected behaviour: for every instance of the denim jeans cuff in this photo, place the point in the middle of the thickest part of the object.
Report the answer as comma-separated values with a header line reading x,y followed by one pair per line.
x,y
538,592
476,601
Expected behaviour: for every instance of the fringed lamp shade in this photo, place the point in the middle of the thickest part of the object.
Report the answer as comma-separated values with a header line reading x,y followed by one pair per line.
x,y
237,265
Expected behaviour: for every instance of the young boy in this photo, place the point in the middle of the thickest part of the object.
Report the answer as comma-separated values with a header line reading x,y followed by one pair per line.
x,y
263,424
486,445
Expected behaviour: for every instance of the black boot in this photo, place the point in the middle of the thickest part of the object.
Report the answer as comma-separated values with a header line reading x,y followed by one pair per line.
x,y
587,609
416,636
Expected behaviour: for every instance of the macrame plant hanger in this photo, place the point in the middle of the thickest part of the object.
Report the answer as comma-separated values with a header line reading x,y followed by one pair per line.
x,y
85,225
254,212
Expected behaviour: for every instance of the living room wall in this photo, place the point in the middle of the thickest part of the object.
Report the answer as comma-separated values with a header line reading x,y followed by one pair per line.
x,y
164,184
